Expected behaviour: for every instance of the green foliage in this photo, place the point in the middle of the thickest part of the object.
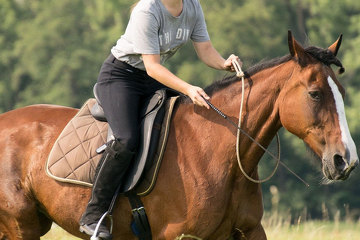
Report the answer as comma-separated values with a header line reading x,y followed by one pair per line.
x,y
279,228
51,52
56,48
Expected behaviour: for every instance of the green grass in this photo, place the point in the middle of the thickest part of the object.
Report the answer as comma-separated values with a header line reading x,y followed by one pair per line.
x,y
318,230
276,228
57,233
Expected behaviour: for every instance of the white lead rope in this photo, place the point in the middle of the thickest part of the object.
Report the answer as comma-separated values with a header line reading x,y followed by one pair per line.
x,y
240,74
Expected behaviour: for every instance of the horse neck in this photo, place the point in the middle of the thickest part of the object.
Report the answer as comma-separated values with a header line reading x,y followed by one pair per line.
x,y
205,142
260,117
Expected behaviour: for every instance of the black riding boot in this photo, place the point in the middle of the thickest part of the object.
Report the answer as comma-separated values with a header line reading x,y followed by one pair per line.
x,y
110,171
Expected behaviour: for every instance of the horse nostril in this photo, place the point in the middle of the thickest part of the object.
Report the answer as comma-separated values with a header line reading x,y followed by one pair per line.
x,y
339,162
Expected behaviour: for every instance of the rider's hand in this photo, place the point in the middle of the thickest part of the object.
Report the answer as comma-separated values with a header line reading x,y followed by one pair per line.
x,y
197,95
228,66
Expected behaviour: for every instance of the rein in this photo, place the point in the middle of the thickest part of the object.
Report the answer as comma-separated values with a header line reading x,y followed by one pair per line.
x,y
240,74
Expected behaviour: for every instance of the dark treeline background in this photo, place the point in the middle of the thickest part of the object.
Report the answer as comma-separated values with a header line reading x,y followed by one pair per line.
x,y
51,52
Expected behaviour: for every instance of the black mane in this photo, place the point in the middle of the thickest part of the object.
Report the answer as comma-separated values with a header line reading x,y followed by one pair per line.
x,y
221,84
323,55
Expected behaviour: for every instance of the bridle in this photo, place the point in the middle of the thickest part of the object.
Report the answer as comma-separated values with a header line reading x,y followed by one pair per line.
x,y
240,74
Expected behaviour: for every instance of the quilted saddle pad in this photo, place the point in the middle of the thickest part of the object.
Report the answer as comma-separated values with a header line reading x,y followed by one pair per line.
x,y
73,157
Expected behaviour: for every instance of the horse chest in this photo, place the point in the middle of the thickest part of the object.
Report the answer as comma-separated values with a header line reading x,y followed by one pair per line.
x,y
219,215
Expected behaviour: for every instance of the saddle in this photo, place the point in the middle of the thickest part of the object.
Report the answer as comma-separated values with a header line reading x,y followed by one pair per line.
x,y
74,151
152,115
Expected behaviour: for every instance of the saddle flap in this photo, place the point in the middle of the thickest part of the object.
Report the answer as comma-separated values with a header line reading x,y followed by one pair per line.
x,y
149,135
153,103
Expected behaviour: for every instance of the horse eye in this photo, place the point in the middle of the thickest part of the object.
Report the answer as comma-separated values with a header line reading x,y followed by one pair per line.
x,y
315,95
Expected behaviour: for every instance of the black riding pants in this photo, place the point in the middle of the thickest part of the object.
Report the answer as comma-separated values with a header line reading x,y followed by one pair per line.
x,y
122,90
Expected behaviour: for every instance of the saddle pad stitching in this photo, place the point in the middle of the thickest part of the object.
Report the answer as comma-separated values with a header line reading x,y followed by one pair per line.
x,y
67,152
47,165
76,116
86,153
65,158
103,140
67,161
68,180
63,153
91,158
75,146
70,150
81,143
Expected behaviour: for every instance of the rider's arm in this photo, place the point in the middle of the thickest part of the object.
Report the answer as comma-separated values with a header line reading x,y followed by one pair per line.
x,y
160,73
210,56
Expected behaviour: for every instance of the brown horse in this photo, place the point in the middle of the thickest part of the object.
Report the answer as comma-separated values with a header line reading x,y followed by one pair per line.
x,y
200,190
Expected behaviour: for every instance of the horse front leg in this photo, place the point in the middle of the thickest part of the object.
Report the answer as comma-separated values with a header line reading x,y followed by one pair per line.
x,y
256,233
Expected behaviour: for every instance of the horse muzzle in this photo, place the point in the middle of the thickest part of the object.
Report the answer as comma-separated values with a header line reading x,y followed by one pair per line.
x,y
338,167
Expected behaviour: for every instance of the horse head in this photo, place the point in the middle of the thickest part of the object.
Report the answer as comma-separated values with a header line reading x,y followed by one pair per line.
x,y
312,108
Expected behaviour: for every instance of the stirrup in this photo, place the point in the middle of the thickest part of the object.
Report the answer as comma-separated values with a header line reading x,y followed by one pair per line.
x,y
106,214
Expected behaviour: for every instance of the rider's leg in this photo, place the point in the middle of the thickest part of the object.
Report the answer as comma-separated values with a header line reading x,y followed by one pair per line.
x,y
121,91
112,168
120,95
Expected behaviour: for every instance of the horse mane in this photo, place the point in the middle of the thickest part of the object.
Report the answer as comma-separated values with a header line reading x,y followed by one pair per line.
x,y
263,64
323,55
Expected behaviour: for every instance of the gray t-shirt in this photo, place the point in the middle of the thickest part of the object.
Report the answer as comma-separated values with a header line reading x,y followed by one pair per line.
x,y
153,30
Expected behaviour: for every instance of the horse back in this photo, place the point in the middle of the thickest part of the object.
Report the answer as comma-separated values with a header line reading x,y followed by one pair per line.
x,y
41,113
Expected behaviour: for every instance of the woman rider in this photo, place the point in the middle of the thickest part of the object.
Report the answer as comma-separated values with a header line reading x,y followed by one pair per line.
x,y
133,72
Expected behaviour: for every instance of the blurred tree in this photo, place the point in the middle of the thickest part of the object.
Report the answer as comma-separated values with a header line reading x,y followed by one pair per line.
x,y
251,29
60,47
10,13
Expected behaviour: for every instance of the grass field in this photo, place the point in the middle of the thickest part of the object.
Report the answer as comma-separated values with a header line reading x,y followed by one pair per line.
x,y
57,233
314,230
276,229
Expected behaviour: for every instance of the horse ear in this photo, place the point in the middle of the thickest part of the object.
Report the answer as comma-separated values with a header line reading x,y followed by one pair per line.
x,y
296,50
334,48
